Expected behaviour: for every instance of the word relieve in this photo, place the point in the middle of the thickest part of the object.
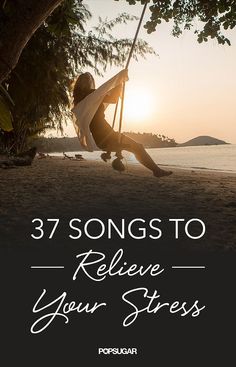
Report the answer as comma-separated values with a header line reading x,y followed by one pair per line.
x,y
90,264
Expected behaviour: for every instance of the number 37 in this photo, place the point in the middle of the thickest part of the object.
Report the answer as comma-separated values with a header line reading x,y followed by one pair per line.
x,y
39,231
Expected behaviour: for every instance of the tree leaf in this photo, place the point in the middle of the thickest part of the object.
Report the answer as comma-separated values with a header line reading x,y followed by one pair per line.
x,y
4,92
5,116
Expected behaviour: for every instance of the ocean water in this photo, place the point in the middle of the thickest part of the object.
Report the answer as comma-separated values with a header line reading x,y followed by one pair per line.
x,y
214,157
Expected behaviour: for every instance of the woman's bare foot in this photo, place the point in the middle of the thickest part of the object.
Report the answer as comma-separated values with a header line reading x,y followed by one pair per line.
x,y
161,173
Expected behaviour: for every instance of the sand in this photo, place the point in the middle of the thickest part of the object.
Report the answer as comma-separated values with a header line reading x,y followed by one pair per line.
x,y
61,188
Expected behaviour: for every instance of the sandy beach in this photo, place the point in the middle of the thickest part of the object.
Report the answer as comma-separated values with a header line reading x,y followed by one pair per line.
x,y
62,188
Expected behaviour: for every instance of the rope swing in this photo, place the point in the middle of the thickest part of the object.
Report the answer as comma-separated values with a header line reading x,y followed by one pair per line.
x,y
117,163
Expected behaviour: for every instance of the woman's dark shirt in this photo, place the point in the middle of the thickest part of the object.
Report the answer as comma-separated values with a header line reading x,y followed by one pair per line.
x,y
99,127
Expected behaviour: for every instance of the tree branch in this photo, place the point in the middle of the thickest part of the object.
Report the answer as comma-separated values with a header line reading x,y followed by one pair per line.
x,y
20,24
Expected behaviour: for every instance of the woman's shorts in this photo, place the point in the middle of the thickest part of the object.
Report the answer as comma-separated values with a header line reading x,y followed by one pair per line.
x,y
112,142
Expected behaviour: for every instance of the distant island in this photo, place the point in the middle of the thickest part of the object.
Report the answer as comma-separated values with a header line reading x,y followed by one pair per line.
x,y
149,140
202,140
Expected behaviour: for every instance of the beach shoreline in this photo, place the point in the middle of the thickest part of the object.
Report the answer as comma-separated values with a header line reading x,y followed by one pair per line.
x,y
214,157
56,187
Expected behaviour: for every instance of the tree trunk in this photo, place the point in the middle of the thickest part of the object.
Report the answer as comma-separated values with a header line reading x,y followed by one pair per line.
x,y
19,26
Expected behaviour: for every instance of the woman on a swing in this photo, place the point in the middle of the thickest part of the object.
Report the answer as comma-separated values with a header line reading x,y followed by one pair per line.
x,y
103,134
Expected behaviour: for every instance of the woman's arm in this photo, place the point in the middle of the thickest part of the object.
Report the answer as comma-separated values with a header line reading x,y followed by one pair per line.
x,y
113,95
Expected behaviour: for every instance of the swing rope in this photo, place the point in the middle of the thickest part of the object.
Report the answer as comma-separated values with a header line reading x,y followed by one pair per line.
x,y
117,164
126,67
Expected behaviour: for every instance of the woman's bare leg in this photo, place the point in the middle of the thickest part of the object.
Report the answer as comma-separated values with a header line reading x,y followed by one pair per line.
x,y
142,156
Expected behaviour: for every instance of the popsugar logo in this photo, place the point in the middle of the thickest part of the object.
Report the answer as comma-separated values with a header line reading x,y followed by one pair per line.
x,y
108,351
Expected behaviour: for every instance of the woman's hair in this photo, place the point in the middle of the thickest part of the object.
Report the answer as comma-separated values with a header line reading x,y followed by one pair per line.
x,y
83,85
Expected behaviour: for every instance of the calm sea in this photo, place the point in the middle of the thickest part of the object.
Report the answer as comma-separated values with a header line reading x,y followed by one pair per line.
x,y
215,157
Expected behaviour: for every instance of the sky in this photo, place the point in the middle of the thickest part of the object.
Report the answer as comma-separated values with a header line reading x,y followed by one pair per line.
x,y
186,91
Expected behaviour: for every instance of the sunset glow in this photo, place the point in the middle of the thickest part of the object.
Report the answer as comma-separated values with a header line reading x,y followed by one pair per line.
x,y
138,105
